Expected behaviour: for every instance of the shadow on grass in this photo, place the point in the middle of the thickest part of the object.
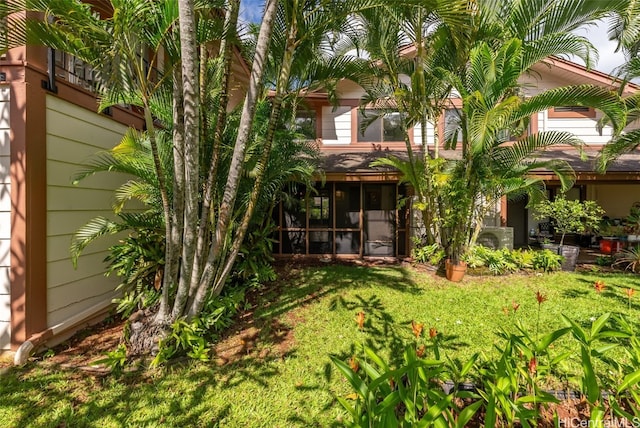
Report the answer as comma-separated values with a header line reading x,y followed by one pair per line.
x,y
180,395
61,398
311,284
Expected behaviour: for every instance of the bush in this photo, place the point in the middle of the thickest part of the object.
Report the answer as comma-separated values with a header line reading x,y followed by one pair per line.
x,y
427,390
431,254
194,338
502,261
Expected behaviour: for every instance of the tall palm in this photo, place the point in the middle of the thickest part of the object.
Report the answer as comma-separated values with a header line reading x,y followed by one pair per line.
x,y
408,83
625,29
512,39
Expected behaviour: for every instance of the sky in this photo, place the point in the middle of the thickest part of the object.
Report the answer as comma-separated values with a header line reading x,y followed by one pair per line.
x,y
251,11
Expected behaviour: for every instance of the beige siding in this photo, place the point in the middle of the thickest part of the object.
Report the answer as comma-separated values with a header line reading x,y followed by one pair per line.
x,y
583,128
336,125
616,199
74,135
5,222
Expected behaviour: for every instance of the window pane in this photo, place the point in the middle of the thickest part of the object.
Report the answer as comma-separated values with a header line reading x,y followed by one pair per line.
x,y
373,132
320,242
402,244
578,109
452,125
320,209
393,130
305,124
347,242
293,242
347,206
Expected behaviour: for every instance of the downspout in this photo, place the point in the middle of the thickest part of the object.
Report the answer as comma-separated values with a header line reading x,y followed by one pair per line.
x,y
37,340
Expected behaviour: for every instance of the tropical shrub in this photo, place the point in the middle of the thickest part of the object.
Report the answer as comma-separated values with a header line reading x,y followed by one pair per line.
x,y
502,261
427,389
629,259
431,254
570,216
194,338
546,261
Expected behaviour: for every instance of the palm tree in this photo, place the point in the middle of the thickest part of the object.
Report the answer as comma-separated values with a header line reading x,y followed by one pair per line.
x,y
479,60
625,29
509,41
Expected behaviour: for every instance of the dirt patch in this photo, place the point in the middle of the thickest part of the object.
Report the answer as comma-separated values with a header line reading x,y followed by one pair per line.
x,y
86,347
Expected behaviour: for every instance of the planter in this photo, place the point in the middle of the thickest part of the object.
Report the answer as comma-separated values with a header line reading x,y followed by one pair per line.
x,y
569,252
455,271
609,245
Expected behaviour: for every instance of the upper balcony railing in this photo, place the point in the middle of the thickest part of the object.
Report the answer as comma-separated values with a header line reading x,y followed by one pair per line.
x,y
75,71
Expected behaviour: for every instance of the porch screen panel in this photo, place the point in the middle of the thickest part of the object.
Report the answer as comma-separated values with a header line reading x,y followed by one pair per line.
x,y
347,203
380,219
294,222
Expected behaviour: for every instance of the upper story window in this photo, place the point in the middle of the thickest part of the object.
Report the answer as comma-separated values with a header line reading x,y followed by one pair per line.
x,y
385,127
305,124
572,112
452,129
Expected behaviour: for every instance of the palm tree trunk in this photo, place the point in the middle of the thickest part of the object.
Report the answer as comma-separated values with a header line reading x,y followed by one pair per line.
x,y
174,236
226,49
237,160
191,169
281,88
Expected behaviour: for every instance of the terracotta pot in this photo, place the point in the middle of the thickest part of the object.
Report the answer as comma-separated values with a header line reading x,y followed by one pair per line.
x,y
455,270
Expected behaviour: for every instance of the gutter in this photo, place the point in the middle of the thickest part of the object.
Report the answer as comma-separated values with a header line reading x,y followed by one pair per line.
x,y
39,339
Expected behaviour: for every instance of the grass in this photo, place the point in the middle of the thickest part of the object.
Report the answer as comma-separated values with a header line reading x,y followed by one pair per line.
x,y
298,387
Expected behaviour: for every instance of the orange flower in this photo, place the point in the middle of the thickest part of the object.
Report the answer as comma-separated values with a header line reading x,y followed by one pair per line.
x,y
420,351
417,328
540,297
353,363
515,306
630,292
433,332
505,310
533,364
599,286
360,320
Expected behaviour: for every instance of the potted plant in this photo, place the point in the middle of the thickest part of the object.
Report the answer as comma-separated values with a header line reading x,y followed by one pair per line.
x,y
569,216
611,238
633,225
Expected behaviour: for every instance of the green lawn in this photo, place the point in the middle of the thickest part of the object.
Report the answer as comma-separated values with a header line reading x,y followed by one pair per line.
x,y
298,387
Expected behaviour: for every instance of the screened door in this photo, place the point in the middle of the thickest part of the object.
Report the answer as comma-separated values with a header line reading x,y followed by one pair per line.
x,y
379,219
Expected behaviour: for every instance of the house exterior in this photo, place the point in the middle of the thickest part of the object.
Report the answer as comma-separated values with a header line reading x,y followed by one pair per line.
x,y
355,212
49,127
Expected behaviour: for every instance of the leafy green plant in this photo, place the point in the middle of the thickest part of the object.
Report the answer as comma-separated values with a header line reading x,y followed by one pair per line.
x,y
546,261
431,254
194,338
570,216
604,260
139,261
594,343
410,395
503,261
116,360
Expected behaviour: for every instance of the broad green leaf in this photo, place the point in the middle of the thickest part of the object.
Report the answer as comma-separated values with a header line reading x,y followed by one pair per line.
x,y
590,380
599,323
356,383
467,413
629,380
547,340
